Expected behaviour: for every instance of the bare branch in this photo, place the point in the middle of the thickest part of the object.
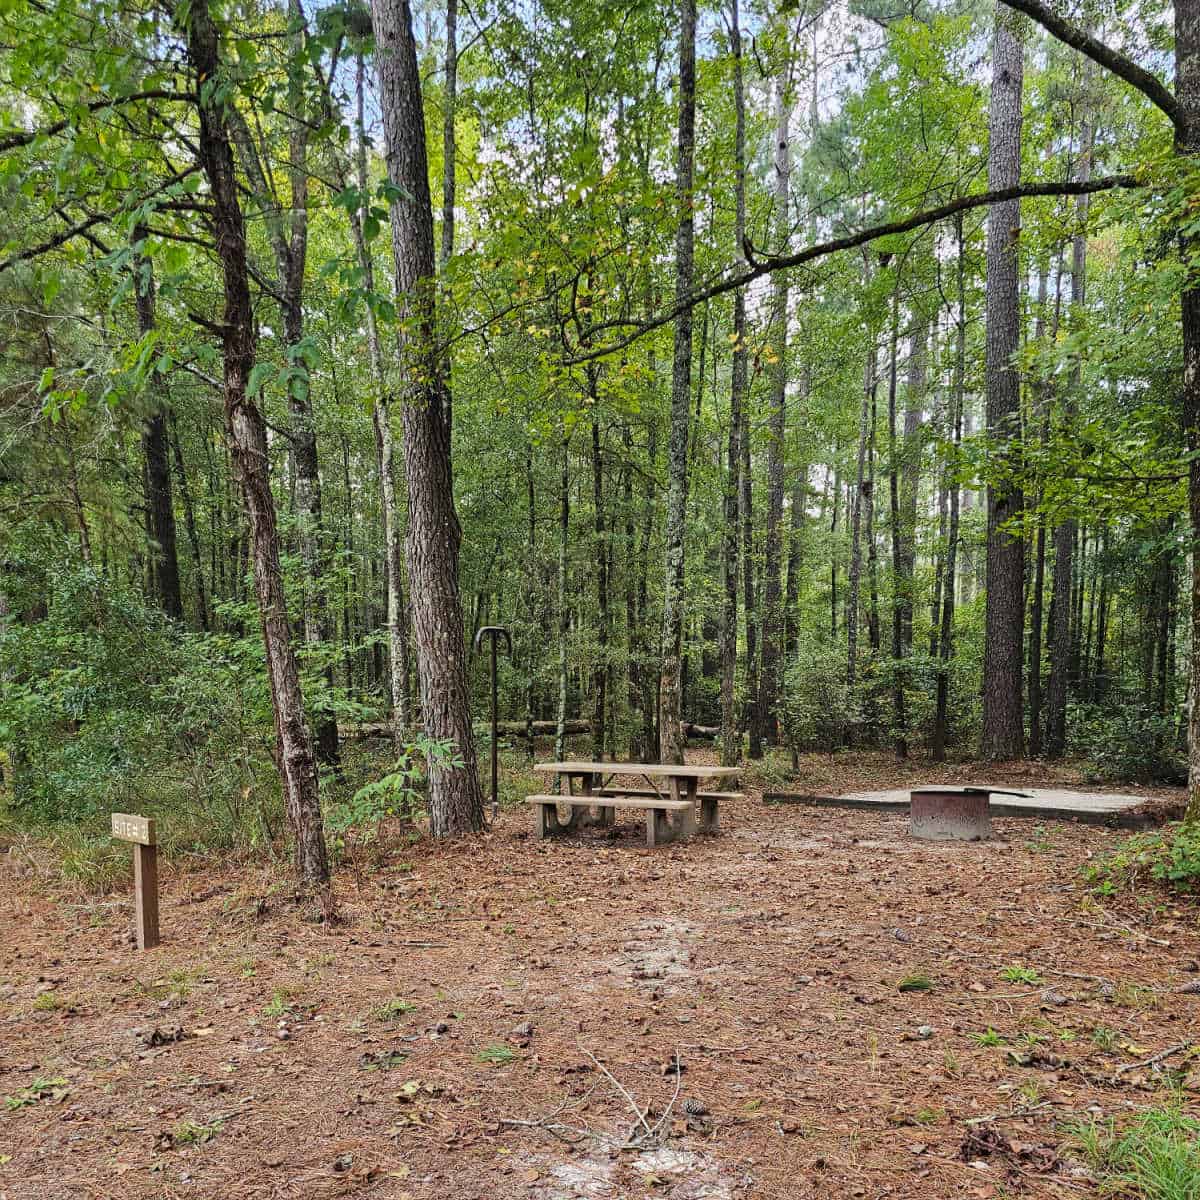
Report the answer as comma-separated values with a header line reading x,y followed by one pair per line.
x,y
12,139
783,262
1111,60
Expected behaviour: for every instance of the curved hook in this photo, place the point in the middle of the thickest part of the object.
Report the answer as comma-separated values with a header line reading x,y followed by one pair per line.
x,y
496,632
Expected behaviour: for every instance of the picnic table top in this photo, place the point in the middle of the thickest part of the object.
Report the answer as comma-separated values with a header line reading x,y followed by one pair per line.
x,y
663,770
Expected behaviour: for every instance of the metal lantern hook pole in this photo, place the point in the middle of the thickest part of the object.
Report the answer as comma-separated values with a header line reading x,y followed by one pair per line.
x,y
495,633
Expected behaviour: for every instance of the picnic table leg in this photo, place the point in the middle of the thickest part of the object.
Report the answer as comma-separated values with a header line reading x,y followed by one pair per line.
x,y
601,817
658,827
710,820
689,813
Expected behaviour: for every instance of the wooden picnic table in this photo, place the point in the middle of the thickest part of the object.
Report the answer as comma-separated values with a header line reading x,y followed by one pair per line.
x,y
675,786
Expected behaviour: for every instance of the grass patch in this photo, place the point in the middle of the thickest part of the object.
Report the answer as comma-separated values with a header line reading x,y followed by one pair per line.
x,y
497,1056
1156,1156
392,1010
988,1038
915,981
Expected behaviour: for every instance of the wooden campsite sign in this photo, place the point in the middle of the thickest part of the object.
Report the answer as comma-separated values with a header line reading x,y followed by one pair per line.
x,y
141,832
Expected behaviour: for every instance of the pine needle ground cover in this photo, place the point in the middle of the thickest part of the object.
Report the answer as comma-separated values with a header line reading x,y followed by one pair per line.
x,y
726,1017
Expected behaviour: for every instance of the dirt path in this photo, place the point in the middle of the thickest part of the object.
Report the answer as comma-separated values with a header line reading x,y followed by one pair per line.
x,y
482,983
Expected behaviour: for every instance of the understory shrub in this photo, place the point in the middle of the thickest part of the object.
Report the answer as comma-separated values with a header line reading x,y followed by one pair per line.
x,y
107,706
1168,857
1126,743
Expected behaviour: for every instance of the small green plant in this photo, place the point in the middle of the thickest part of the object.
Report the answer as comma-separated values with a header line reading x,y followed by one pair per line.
x,y
1030,1091
927,1116
396,794
496,1056
191,1133
1040,843
951,1063
988,1038
1168,858
391,1010
1155,1156
280,1002
1017,974
915,981
1104,1038
40,1089
1135,996
247,968
48,1002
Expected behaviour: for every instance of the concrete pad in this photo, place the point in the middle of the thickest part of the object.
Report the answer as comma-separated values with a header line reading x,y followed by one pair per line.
x,y
1048,804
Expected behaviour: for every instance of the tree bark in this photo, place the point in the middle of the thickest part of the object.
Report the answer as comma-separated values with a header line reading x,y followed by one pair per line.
x,y
385,454
163,555
1003,734
600,557
449,150
1065,532
248,444
731,737
860,497
189,516
564,612
671,674
434,534
776,354
899,588
941,721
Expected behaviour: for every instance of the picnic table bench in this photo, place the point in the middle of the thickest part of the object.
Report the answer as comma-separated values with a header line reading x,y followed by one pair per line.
x,y
669,801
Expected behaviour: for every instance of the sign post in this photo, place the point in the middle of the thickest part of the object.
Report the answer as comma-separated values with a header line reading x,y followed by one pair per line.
x,y
141,832
495,632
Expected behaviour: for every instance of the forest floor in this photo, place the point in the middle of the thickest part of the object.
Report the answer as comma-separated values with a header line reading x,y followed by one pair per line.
x,y
810,1005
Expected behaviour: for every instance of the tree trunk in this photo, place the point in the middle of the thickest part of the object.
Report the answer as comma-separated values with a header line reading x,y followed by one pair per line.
x,y
1042,416
854,579
434,534
1187,142
1003,734
1065,532
731,738
671,676
941,720
248,444
381,420
600,675
189,516
899,716
449,150
163,557
564,612
776,355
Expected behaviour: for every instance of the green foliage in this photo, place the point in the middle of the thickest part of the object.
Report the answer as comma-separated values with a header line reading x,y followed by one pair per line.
x,y
496,1056
391,1010
399,792
1153,1156
1127,743
1167,858
916,981
817,708
40,1089
989,1037
109,707
1019,974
